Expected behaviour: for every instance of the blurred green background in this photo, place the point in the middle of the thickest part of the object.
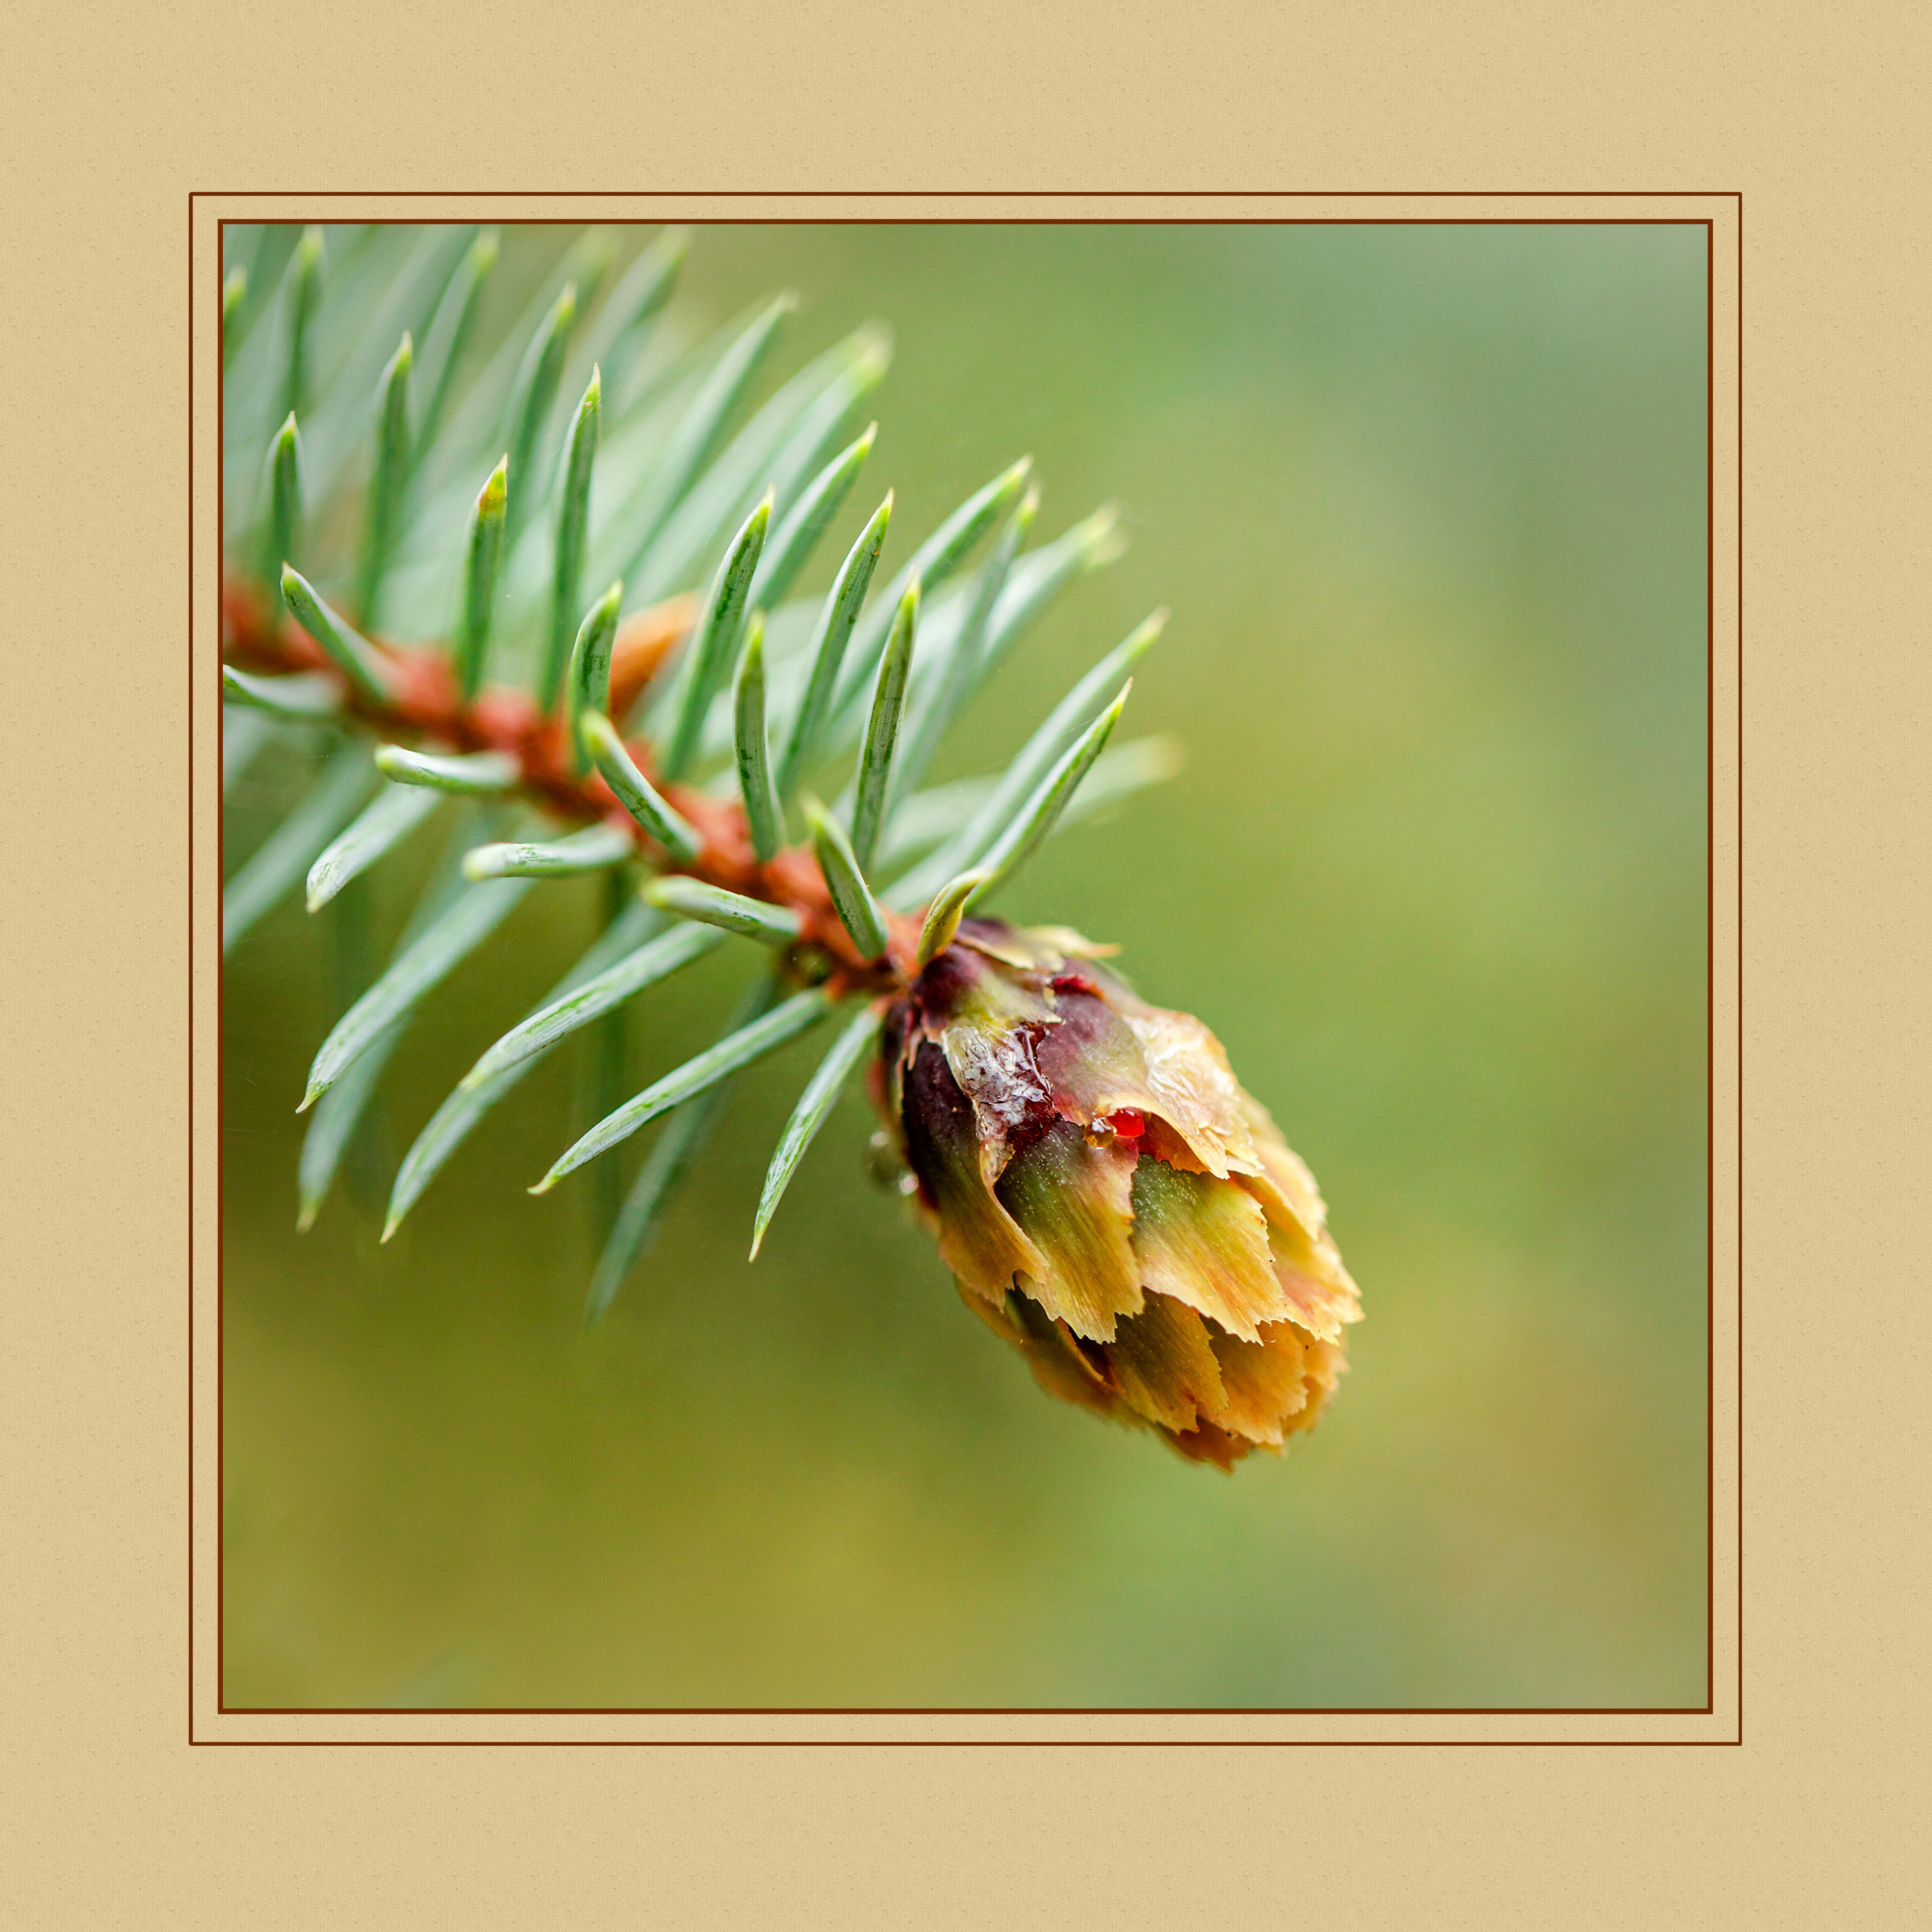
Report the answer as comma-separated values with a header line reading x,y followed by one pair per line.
x,y
1428,505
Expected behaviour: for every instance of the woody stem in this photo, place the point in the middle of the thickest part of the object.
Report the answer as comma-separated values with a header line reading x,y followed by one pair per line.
x,y
425,701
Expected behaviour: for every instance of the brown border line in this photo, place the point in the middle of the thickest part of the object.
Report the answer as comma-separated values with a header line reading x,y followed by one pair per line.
x,y
959,1744
1741,953
1708,1707
1711,964
1100,221
979,193
191,980
968,1711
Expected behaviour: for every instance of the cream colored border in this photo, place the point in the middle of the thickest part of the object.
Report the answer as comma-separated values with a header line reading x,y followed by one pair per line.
x,y
210,1726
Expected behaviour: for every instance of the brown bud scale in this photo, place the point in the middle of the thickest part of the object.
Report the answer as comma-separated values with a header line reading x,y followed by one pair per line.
x,y
1109,1198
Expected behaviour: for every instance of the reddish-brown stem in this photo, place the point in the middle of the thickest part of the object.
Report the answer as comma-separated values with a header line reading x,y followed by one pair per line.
x,y
426,703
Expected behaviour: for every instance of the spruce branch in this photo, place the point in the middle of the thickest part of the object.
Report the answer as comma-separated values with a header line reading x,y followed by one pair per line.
x,y
701,827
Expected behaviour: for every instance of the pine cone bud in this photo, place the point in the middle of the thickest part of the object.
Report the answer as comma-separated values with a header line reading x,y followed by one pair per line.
x,y
1108,1197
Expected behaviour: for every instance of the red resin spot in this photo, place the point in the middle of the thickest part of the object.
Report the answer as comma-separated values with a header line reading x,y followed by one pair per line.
x,y
1129,1123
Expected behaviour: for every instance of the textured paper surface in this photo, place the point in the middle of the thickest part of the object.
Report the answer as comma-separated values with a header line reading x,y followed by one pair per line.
x,y
124,1819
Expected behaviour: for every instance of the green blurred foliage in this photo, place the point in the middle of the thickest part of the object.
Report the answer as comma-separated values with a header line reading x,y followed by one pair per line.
x,y
1429,505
